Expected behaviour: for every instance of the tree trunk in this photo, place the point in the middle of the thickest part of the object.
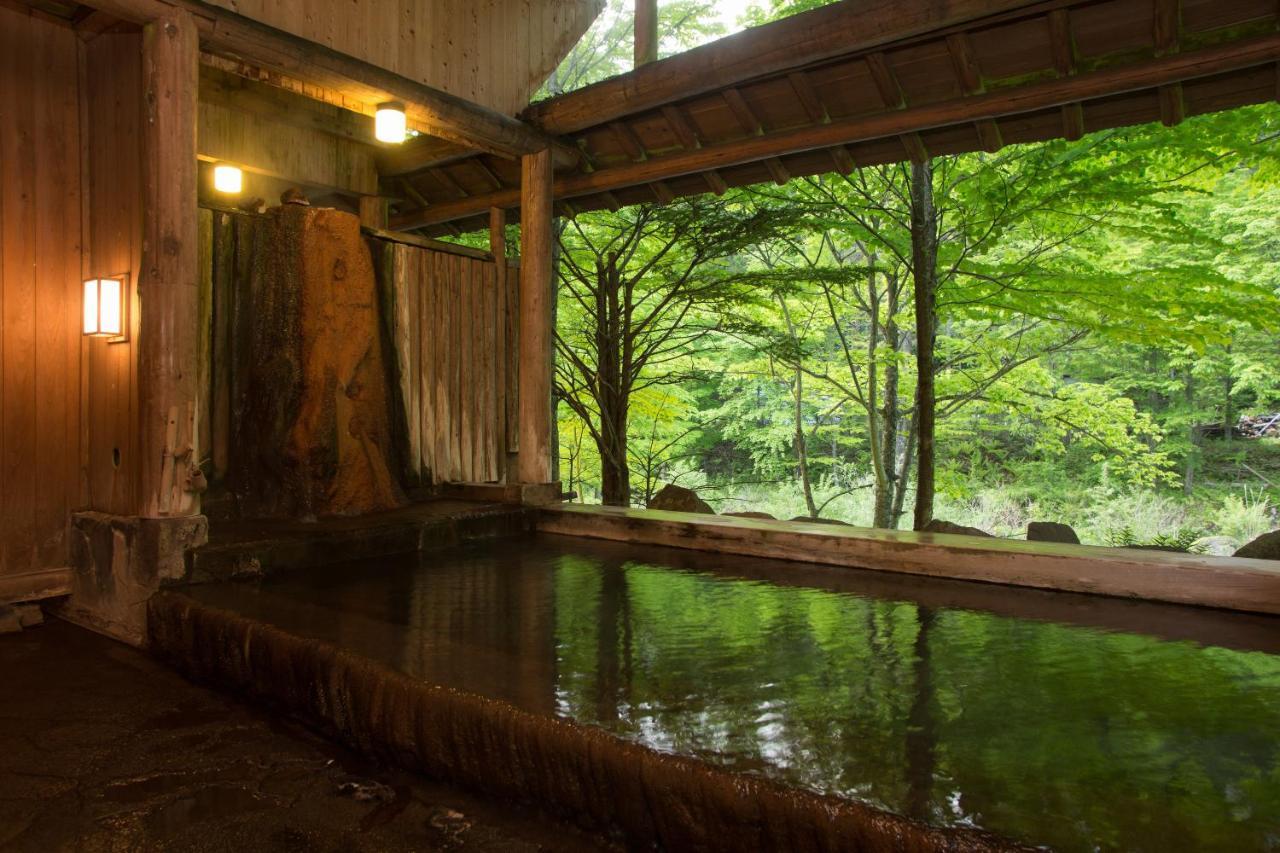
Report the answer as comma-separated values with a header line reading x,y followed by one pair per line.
x,y
1193,438
924,259
612,392
802,449
884,517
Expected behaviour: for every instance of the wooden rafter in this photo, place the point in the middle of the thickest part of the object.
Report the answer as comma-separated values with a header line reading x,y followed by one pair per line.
x,y
811,37
907,121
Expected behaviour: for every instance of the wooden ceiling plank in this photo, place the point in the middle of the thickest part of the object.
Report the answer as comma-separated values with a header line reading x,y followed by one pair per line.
x,y
807,38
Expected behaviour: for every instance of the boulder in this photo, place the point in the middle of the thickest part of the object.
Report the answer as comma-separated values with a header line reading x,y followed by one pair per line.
x,y
750,514
814,520
940,526
1051,531
1265,547
679,499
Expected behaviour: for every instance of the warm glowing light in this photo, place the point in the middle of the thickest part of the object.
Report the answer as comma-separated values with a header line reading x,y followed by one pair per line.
x,y
389,123
227,179
104,307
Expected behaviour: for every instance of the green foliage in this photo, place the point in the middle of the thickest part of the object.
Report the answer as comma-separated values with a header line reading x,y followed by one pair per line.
x,y
1100,304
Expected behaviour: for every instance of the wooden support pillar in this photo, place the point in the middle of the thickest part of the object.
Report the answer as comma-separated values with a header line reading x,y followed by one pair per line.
x,y
536,333
503,358
646,39
168,279
374,211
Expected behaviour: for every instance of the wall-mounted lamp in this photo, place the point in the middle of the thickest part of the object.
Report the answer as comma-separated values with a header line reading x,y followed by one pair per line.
x,y
228,179
389,123
104,307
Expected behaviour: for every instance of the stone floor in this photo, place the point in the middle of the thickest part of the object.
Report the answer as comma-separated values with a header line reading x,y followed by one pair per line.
x,y
103,749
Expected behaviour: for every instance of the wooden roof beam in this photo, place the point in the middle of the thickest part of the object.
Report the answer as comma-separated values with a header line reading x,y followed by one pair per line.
x,y
971,82
891,95
444,115
1063,50
815,36
1033,97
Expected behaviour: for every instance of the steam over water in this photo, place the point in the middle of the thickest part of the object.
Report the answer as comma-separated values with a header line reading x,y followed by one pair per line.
x,y
1068,721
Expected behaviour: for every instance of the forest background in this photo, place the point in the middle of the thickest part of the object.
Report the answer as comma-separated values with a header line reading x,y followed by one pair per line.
x,y
1103,311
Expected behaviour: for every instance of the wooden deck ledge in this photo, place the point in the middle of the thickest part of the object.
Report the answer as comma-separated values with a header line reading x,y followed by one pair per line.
x,y
1224,582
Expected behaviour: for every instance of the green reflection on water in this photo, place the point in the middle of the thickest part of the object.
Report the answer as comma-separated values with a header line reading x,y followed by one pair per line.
x,y
1048,733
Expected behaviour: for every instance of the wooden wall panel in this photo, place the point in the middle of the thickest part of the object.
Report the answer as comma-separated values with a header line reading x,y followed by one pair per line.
x,y
448,330
493,52
112,89
40,199
282,150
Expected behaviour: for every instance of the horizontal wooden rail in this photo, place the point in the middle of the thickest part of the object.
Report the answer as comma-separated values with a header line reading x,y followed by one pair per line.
x,y
35,586
1224,582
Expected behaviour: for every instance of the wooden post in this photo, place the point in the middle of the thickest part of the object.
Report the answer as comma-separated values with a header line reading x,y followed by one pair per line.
x,y
536,334
167,283
374,211
646,28
503,410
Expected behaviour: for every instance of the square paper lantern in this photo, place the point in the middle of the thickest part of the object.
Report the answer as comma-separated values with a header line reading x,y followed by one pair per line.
x,y
104,307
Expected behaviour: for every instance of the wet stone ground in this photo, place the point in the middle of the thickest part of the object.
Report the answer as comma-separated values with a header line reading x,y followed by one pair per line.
x,y
103,749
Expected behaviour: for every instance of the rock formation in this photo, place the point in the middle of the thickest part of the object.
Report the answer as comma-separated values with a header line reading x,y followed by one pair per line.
x,y
1265,547
940,526
1051,531
679,499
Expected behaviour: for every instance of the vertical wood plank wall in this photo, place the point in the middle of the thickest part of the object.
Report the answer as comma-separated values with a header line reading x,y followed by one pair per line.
x,y
454,363
112,89
40,207
494,52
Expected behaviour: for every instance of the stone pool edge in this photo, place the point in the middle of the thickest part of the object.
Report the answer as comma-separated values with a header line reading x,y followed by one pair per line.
x,y
1229,583
491,746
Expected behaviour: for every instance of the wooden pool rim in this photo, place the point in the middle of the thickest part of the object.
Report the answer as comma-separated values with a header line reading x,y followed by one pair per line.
x,y
1230,583
576,771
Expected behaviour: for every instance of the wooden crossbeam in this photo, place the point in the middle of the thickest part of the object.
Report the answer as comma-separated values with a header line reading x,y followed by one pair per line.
x,y
839,29
1063,50
714,182
629,141
971,83
777,171
742,111
891,95
843,158
1042,95
808,97
681,128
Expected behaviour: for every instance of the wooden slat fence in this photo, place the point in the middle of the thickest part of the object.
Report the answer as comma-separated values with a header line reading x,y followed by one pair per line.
x,y
455,370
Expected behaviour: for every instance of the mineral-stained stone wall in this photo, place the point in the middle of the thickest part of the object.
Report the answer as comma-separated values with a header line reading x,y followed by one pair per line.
x,y
310,423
